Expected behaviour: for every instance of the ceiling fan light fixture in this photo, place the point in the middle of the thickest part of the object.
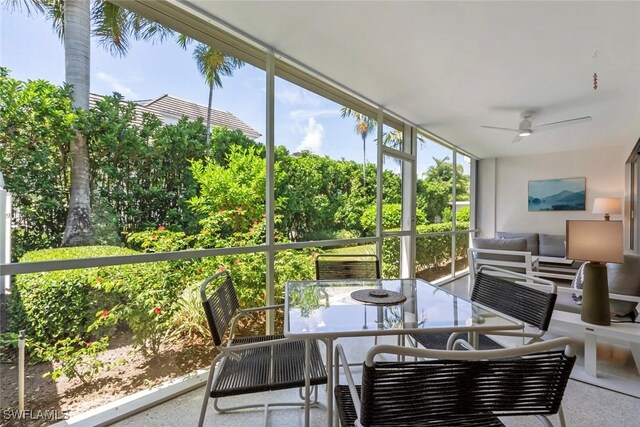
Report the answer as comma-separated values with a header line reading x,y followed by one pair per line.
x,y
524,133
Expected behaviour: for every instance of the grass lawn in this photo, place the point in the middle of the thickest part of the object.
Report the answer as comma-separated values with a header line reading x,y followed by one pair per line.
x,y
369,249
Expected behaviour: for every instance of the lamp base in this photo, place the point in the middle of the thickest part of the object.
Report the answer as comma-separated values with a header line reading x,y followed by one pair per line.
x,y
595,295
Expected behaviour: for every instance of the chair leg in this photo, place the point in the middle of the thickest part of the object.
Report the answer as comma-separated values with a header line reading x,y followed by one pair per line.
x,y
207,391
561,416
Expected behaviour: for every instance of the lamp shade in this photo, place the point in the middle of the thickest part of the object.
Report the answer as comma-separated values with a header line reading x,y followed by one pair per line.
x,y
607,205
598,241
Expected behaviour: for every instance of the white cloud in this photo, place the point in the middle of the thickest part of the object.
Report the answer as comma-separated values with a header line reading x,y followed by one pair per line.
x,y
292,95
305,114
117,85
312,141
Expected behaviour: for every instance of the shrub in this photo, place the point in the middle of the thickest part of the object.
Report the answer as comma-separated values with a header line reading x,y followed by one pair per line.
x,y
61,310
391,217
430,252
55,305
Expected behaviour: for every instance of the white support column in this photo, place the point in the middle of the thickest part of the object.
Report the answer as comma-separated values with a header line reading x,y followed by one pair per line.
x,y
270,186
408,223
454,210
473,172
5,236
379,185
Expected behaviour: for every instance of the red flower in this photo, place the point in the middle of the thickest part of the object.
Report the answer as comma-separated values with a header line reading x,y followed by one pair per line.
x,y
239,209
255,223
220,212
99,279
251,230
157,310
161,228
104,313
90,343
276,236
221,268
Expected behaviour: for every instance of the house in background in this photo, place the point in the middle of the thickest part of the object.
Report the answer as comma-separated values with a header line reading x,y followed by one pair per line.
x,y
170,110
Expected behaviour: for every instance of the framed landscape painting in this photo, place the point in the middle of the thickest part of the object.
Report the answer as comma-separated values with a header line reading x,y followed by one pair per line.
x,y
568,194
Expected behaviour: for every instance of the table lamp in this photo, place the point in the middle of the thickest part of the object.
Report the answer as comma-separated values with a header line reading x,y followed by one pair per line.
x,y
598,242
606,206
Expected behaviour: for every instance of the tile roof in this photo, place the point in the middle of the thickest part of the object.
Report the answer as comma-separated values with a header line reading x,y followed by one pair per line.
x,y
169,106
175,107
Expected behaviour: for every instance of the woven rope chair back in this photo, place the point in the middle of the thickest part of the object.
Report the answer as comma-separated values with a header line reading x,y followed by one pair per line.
x,y
528,305
410,393
347,267
220,306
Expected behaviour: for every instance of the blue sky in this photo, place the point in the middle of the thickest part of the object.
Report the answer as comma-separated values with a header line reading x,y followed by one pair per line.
x,y
31,50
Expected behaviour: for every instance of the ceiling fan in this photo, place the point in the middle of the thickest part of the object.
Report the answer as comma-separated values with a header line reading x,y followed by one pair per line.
x,y
525,128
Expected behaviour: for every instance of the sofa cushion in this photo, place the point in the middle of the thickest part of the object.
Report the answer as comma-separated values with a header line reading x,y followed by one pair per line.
x,y
532,240
552,245
623,279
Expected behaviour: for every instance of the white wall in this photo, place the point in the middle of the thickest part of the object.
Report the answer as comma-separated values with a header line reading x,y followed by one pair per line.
x,y
603,168
486,197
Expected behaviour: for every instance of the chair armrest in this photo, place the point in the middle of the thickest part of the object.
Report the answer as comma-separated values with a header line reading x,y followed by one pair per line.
x,y
266,307
340,357
569,343
461,342
248,312
267,343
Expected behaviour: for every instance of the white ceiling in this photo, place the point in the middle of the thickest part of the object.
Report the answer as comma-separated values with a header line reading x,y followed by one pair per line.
x,y
452,66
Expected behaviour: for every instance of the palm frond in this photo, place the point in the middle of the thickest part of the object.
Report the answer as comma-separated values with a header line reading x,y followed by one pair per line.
x,y
111,27
144,29
20,5
183,41
214,64
55,13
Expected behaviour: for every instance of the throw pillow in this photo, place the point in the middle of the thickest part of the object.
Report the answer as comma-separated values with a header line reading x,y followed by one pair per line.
x,y
532,239
577,283
552,245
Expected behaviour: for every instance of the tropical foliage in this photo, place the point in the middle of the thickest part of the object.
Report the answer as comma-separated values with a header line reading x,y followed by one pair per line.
x,y
155,189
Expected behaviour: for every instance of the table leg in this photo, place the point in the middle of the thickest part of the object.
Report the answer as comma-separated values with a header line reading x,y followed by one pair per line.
x,y
590,353
307,380
330,412
635,352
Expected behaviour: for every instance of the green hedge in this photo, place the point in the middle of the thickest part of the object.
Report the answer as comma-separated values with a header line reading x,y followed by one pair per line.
x,y
55,305
430,251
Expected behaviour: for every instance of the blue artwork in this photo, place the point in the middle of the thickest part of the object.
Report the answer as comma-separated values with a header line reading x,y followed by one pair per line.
x,y
557,195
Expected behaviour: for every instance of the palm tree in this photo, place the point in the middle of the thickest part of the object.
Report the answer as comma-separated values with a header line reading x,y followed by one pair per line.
x,y
78,228
212,64
364,126
113,27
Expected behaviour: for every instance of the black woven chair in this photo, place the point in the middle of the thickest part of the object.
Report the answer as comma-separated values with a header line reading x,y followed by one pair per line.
x,y
250,364
347,267
456,388
531,306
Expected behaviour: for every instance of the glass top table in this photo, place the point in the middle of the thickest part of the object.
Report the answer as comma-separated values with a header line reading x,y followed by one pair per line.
x,y
324,309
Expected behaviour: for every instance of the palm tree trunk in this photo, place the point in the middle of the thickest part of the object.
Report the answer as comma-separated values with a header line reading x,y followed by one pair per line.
x,y
78,228
364,161
208,140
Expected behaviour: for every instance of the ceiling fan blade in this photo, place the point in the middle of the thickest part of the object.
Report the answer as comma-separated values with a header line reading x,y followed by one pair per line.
x,y
517,138
561,123
494,127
